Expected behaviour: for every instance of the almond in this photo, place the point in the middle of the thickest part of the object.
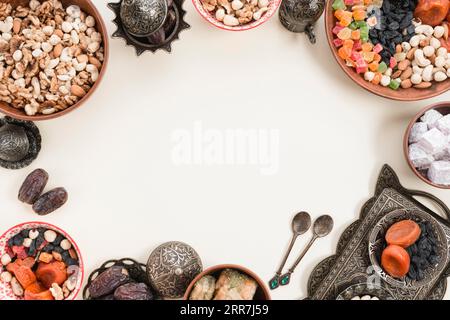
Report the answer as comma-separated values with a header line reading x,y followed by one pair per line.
x,y
406,84
410,54
59,33
77,91
17,24
402,65
95,62
396,74
423,85
406,74
82,58
57,50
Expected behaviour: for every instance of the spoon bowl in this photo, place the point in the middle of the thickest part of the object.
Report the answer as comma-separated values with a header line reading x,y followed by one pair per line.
x,y
323,226
301,223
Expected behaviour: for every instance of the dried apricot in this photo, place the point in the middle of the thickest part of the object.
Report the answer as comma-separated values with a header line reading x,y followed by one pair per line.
x,y
34,293
395,261
403,233
432,12
25,276
49,273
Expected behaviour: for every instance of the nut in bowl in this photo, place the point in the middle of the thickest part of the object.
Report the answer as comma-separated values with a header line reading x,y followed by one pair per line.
x,y
408,249
39,261
236,15
214,284
427,145
387,48
53,55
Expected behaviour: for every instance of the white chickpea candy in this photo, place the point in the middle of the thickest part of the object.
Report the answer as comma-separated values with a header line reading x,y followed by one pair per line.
x,y
45,62
236,12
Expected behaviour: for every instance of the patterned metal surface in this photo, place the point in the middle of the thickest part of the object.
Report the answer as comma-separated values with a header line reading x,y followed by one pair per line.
x,y
171,268
301,15
351,264
143,17
142,45
20,143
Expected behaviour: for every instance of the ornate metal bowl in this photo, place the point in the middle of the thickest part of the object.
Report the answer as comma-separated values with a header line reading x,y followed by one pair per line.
x,y
171,268
20,143
362,289
141,18
377,244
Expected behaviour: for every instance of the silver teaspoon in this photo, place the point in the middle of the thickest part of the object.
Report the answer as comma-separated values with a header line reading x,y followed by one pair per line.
x,y
300,224
322,227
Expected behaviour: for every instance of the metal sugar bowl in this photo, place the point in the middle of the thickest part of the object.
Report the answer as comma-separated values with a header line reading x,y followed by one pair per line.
x,y
20,143
301,15
149,25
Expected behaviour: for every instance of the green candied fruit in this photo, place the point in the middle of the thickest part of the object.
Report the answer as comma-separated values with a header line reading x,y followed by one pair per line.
x,y
339,5
394,84
353,25
362,25
382,67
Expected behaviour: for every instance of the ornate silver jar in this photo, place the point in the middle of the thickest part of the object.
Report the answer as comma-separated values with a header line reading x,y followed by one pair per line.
x,y
171,268
20,143
141,18
301,15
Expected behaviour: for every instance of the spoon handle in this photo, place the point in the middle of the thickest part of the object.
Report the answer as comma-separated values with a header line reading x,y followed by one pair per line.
x,y
291,270
286,255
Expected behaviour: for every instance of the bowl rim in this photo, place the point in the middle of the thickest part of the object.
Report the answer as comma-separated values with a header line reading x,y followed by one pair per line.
x,y
340,296
378,90
248,26
102,28
373,234
68,236
219,267
406,141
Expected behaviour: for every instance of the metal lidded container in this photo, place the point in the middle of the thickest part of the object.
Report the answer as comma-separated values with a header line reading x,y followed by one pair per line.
x,y
171,268
141,18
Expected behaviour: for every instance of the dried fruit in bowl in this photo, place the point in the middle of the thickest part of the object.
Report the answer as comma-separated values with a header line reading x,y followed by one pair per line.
x,y
49,273
395,261
432,12
403,233
37,291
25,276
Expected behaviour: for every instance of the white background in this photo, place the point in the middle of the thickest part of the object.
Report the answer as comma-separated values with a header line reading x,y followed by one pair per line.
x,y
126,195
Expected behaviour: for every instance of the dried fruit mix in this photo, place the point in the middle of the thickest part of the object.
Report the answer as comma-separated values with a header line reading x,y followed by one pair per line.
x,y
38,265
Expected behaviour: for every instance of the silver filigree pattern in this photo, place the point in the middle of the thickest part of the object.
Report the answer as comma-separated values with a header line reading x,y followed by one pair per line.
x,y
171,268
141,18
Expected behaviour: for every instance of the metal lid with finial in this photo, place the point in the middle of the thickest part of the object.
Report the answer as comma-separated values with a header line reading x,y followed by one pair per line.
x,y
141,18
171,268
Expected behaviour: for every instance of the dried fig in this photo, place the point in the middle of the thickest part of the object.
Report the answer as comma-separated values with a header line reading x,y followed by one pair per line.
x,y
133,291
108,281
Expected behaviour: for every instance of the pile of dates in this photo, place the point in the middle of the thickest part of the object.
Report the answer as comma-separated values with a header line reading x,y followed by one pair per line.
x,y
163,34
31,191
40,264
116,284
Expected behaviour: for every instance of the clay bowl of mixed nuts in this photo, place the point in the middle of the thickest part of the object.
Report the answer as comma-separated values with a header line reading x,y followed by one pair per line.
x,y
53,55
39,261
236,15
395,49
214,284
408,249
426,145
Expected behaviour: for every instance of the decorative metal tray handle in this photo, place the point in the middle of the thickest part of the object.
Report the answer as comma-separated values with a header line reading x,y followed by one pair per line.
x,y
301,15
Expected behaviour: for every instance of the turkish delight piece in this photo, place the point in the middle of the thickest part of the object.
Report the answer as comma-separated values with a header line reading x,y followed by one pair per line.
x,y
233,285
443,124
433,141
431,117
417,130
204,289
419,157
439,172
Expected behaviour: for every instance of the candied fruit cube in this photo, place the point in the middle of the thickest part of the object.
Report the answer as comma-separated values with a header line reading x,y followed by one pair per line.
x,y
356,34
378,48
392,62
338,4
368,56
338,42
345,34
377,78
373,66
353,25
337,28
361,66
382,67
357,45
344,53
348,44
349,2
394,84
356,56
359,14
377,58
367,47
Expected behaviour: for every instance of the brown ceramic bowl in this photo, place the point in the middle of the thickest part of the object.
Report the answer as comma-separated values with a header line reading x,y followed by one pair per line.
x,y
442,107
411,94
88,7
262,293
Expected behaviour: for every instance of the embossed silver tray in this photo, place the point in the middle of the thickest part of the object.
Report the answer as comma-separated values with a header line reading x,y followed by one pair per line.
x,y
351,264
